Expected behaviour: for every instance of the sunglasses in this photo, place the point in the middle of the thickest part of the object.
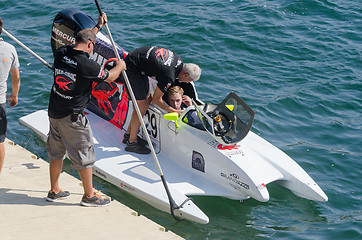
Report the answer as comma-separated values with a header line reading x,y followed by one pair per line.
x,y
93,42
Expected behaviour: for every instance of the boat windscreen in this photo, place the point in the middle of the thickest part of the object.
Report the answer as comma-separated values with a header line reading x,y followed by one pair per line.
x,y
228,122
206,121
238,107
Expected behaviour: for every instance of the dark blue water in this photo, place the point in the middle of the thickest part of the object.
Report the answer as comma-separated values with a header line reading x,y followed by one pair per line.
x,y
298,64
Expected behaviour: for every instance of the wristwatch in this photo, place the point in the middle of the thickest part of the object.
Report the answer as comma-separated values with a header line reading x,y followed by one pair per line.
x,y
99,28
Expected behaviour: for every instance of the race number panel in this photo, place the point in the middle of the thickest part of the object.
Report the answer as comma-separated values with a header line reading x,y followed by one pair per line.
x,y
152,122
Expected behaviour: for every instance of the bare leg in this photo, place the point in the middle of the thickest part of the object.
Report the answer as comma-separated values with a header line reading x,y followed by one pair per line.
x,y
55,168
2,155
87,179
134,114
135,122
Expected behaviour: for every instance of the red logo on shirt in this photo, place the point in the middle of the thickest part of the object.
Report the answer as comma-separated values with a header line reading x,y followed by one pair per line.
x,y
62,83
161,52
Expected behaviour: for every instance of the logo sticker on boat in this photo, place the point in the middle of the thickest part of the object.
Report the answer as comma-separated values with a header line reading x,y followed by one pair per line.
x,y
261,186
213,143
198,161
64,36
235,178
127,188
100,174
229,150
227,147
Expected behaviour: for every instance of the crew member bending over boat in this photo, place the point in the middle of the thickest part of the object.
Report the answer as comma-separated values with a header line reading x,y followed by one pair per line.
x,y
74,73
166,67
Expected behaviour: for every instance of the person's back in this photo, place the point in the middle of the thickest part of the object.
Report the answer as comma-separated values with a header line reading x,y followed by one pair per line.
x,y
157,62
74,73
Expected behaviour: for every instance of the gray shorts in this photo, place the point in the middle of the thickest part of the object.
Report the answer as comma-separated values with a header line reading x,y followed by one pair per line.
x,y
74,138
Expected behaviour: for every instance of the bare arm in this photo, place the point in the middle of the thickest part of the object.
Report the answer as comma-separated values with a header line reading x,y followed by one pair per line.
x,y
15,76
157,99
101,22
120,65
186,100
116,71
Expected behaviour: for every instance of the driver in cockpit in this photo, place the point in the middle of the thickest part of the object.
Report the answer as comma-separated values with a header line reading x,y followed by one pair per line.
x,y
179,101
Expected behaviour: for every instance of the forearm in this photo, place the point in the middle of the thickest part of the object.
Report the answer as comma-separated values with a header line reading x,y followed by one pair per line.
x,y
101,22
116,71
157,100
15,76
160,103
13,98
95,29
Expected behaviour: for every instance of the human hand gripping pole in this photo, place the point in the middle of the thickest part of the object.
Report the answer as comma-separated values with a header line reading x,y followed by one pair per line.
x,y
173,205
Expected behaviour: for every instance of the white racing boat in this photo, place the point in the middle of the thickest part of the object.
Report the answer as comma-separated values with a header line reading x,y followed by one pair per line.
x,y
208,151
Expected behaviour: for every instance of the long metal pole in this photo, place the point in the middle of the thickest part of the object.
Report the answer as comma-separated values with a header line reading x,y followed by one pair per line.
x,y
173,205
27,49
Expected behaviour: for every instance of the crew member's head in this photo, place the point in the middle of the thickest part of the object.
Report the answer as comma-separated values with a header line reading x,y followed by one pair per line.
x,y
190,72
86,40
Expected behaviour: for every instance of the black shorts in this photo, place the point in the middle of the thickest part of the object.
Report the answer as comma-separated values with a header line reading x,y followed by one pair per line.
x,y
139,82
3,122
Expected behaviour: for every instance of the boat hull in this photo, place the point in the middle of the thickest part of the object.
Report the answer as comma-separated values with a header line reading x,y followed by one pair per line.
x,y
134,173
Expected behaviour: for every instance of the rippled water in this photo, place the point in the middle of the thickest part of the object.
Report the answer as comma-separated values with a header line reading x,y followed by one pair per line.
x,y
298,64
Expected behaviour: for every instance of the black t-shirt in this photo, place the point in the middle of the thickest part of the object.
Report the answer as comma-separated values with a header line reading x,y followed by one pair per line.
x,y
74,74
157,62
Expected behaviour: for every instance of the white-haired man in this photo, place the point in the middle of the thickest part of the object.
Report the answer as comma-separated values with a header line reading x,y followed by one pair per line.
x,y
166,67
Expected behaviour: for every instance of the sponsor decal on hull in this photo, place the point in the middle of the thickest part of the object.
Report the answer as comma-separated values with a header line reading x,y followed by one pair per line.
x,y
231,150
235,178
228,150
100,174
98,57
127,188
261,186
213,143
198,161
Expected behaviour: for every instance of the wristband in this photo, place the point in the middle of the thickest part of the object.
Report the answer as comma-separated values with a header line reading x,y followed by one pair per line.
x,y
99,28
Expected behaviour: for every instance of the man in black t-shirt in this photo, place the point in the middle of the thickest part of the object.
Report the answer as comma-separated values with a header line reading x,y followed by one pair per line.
x,y
74,73
166,67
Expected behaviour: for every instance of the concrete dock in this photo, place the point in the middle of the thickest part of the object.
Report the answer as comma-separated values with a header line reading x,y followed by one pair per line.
x,y
25,214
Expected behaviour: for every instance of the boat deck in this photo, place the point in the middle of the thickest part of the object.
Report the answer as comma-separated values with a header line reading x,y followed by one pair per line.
x,y
24,182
